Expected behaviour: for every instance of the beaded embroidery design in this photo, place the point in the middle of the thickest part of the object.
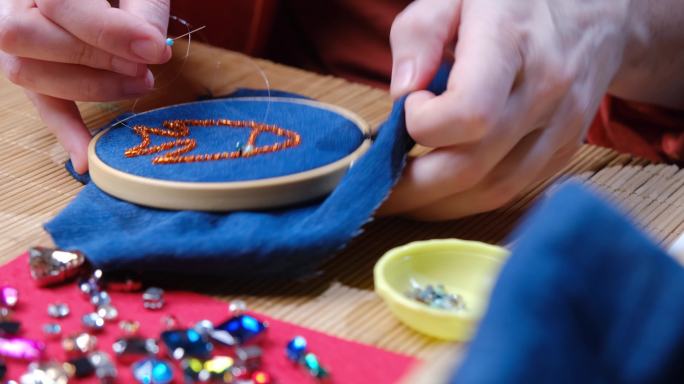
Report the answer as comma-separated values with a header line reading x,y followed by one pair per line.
x,y
180,130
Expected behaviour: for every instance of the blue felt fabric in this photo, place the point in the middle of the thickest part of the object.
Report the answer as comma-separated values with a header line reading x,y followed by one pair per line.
x,y
325,137
292,242
584,298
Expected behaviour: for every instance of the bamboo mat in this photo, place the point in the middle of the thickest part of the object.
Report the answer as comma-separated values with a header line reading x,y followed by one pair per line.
x,y
34,187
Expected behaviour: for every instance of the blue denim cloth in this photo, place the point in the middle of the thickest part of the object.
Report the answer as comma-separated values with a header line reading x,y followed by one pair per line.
x,y
585,298
292,242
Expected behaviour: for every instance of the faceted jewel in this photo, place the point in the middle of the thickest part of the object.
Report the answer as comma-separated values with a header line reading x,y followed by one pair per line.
x,y
152,371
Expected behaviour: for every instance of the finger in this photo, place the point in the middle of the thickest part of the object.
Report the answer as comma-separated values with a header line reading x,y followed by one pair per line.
x,y
486,66
155,12
111,29
418,37
73,82
493,194
63,119
29,34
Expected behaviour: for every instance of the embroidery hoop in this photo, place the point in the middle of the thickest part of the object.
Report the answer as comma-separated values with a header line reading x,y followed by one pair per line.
x,y
230,196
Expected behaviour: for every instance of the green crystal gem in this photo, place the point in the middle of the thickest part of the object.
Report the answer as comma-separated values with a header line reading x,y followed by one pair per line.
x,y
314,366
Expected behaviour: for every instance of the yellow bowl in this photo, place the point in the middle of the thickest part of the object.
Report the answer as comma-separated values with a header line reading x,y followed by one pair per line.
x,y
467,268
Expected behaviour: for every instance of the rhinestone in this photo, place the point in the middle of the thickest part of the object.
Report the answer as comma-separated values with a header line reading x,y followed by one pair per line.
x,y
169,322
80,344
105,370
51,266
204,327
153,298
8,327
249,356
193,370
261,377
21,348
9,296
241,329
80,367
186,343
93,322
107,312
45,373
296,349
52,330
314,366
5,313
237,307
219,365
152,371
88,287
129,326
129,349
58,310
100,298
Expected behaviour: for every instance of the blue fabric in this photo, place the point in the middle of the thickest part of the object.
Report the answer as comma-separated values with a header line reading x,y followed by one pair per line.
x,y
325,137
293,242
584,298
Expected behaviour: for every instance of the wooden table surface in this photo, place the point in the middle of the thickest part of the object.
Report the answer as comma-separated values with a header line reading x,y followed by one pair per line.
x,y
34,187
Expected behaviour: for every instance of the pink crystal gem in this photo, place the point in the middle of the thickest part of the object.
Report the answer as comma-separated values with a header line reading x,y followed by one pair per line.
x,y
20,348
9,296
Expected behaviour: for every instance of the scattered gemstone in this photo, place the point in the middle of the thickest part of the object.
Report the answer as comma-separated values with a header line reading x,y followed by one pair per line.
x,y
204,327
261,377
58,310
9,327
152,371
169,322
130,327
129,349
240,329
52,266
21,348
153,298
9,296
436,296
80,367
296,349
45,373
105,370
5,313
181,343
100,298
93,322
107,312
237,307
52,330
88,287
80,344
249,356
193,370
218,366
314,366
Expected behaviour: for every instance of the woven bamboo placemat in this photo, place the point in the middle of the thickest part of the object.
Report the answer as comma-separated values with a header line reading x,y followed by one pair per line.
x,y
34,187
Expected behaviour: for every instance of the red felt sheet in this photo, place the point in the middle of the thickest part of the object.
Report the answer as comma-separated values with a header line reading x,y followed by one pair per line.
x,y
347,361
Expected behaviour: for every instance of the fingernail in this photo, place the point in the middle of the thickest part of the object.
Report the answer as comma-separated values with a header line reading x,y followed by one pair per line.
x,y
402,77
138,86
125,67
147,50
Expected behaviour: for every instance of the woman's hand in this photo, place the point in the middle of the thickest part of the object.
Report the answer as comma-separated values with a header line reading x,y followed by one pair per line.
x,y
63,51
526,82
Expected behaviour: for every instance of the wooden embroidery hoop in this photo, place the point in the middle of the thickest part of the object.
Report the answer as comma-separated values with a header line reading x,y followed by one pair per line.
x,y
230,196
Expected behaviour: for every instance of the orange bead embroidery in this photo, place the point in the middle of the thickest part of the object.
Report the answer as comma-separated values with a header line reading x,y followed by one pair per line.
x,y
180,130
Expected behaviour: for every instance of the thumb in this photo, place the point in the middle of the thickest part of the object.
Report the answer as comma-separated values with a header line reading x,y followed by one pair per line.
x,y
419,36
155,12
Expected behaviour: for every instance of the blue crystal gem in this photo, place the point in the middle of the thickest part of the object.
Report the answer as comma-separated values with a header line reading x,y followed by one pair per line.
x,y
296,349
152,371
241,329
182,343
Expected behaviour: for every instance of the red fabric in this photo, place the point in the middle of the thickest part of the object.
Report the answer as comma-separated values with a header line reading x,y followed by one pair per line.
x,y
348,362
654,133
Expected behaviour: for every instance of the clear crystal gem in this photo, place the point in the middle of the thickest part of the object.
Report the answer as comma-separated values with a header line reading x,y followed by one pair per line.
x,y
58,310
249,356
100,298
45,373
51,266
153,298
82,343
108,312
52,330
128,349
93,322
129,326
237,307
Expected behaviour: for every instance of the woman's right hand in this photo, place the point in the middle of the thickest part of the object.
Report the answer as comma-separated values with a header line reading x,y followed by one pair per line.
x,y
61,51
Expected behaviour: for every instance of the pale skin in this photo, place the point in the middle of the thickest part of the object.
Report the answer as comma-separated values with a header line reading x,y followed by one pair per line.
x,y
527,79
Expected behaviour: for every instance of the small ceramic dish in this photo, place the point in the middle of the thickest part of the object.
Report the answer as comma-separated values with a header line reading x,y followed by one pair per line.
x,y
466,268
